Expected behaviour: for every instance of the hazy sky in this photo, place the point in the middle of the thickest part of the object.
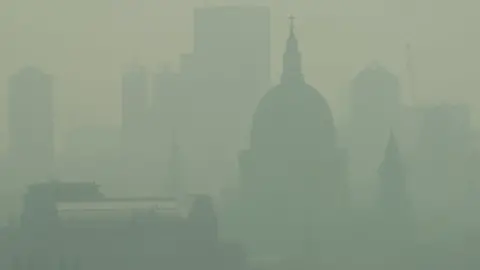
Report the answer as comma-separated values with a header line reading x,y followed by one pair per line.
x,y
85,44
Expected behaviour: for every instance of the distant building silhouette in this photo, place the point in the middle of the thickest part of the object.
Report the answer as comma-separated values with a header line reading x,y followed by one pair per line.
x,y
375,108
31,122
138,143
442,158
72,221
135,100
167,100
233,42
39,206
169,113
208,100
293,177
225,76
396,211
446,128
395,225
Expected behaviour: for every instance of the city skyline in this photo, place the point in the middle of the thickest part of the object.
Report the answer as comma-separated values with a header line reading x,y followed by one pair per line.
x,y
151,40
344,160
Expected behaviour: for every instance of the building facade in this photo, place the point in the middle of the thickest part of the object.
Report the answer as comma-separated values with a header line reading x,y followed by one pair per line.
x,y
75,225
31,122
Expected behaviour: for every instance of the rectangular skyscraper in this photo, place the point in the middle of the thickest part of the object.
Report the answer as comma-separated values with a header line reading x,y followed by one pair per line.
x,y
446,128
223,80
30,121
134,105
234,39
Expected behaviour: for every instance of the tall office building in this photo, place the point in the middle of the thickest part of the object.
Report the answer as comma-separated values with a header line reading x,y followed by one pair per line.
x,y
225,76
134,106
30,121
443,160
167,102
235,40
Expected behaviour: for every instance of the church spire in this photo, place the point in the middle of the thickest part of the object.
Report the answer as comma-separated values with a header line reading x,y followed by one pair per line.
x,y
292,25
396,212
292,59
393,181
392,163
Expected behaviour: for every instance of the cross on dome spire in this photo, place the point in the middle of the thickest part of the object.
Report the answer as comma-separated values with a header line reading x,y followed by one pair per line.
x,y
292,23
292,59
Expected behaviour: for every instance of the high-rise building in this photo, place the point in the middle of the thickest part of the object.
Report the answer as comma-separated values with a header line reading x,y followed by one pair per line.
x,y
235,40
446,128
168,103
224,78
30,121
443,159
134,106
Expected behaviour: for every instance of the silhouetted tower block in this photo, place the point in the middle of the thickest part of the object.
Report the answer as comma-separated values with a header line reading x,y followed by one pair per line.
x,y
225,76
446,130
168,100
134,106
31,122
235,40
443,148
396,211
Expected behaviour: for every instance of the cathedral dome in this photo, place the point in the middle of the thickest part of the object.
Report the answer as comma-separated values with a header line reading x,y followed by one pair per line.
x,y
293,116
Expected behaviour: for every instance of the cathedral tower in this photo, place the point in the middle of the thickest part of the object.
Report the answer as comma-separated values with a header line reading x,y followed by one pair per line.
x,y
293,176
292,58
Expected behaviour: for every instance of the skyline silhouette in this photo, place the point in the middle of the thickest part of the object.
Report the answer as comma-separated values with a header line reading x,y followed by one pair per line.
x,y
126,32
216,165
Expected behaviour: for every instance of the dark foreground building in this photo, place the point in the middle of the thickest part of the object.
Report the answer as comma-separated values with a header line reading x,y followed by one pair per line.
x,y
85,230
